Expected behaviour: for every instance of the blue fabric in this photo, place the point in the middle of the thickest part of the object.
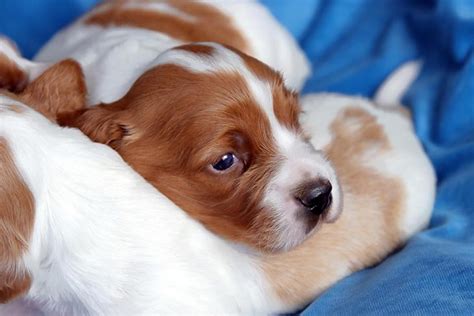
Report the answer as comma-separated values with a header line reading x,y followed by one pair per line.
x,y
353,45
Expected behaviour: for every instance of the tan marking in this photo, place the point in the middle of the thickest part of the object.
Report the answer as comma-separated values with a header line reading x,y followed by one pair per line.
x,y
16,225
365,232
60,90
12,77
210,25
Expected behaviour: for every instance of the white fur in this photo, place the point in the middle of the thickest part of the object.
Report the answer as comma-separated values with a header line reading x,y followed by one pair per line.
x,y
105,242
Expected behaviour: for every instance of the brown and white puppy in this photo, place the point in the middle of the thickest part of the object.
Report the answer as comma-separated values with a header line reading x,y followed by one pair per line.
x,y
124,231
211,127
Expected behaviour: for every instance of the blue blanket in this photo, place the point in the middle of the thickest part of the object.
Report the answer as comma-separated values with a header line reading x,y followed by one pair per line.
x,y
353,45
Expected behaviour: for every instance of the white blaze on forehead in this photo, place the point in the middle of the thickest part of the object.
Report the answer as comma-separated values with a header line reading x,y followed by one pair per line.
x,y
225,60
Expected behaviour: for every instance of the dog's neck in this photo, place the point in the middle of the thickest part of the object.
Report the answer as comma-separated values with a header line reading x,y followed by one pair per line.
x,y
103,234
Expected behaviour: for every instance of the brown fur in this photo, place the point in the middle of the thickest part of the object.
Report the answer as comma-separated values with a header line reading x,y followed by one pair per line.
x,y
16,225
162,129
211,25
12,78
372,204
60,90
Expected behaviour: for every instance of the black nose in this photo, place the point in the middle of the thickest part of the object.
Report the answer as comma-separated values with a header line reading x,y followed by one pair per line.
x,y
315,196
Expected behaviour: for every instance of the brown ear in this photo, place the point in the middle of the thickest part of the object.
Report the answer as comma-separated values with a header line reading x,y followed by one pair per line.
x,y
12,77
60,89
16,225
102,123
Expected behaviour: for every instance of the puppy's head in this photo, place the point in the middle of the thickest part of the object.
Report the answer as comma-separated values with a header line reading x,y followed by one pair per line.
x,y
218,133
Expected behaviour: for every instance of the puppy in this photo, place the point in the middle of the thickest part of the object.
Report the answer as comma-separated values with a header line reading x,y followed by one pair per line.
x,y
100,240
83,234
211,127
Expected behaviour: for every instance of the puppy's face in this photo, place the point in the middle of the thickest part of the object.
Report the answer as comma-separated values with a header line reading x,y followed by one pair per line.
x,y
218,133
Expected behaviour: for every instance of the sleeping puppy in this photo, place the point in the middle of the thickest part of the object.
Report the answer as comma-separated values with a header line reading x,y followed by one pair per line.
x,y
92,237
211,127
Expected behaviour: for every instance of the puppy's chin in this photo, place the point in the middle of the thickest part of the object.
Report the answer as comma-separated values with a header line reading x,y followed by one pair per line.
x,y
294,236
291,233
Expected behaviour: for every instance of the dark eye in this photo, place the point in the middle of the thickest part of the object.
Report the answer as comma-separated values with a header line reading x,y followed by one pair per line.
x,y
225,162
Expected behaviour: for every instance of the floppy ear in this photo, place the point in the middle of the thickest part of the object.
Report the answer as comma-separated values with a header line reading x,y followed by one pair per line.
x,y
102,123
16,225
60,89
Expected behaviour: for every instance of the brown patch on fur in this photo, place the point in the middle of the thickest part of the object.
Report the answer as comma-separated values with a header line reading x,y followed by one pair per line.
x,y
12,77
365,232
173,125
16,225
197,49
60,90
209,24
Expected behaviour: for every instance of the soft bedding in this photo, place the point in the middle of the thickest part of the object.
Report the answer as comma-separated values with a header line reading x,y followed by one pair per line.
x,y
353,45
